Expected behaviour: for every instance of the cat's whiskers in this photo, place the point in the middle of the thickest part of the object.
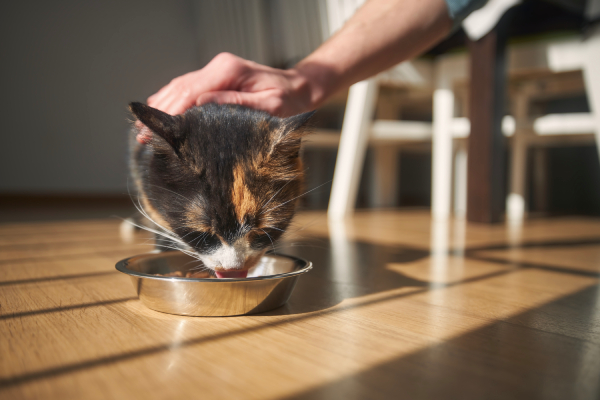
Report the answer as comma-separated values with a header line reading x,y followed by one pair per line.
x,y
200,267
194,202
276,193
272,227
189,253
197,262
173,248
200,237
166,234
269,236
151,242
305,193
294,228
159,245
169,190
186,235
308,245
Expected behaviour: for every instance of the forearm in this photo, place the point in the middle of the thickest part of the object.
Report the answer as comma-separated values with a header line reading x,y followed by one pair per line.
x,y
380,35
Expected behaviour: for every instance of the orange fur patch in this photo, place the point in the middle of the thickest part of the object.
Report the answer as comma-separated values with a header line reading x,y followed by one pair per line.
x,y
243,200
155,215
263,125
195,219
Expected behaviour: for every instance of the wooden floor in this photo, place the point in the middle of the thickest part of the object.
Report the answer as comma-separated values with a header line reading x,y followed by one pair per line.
x,y
395,308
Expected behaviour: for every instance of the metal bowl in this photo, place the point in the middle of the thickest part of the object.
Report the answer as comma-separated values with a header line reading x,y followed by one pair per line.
x,y
269,285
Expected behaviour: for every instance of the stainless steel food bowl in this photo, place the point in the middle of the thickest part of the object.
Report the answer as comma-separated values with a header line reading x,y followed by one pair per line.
x,y
269,285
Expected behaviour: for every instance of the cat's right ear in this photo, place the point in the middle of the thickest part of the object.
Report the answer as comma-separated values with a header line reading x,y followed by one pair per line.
x,y
166,126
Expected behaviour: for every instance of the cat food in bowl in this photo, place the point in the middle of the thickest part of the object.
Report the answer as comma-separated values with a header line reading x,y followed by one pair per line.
x,y
161,284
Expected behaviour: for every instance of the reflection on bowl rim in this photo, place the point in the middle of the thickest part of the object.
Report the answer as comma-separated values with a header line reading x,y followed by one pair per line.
x,y
122,267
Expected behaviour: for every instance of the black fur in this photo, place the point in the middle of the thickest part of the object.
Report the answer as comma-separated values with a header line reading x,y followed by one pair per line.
x,y
188,168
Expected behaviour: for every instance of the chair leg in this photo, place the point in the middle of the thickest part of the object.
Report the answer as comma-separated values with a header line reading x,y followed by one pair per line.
x,y
540,179
443,109
515,202
460,180
353,145
591,77
384,176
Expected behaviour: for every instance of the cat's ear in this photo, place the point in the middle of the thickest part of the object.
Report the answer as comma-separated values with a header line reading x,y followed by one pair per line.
x,y
296,127
292,130
166,126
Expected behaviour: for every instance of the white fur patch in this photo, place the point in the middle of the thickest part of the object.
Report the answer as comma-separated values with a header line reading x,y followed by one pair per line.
x,y
230,257
127,231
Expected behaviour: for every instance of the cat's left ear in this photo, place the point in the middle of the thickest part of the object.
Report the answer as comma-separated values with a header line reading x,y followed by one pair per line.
x,y
293,130
167,126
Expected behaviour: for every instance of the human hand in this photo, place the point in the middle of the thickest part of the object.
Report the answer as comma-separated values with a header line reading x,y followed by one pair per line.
x,y
233,80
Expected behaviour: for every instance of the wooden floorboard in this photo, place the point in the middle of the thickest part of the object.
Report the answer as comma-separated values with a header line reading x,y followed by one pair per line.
x,y
395,308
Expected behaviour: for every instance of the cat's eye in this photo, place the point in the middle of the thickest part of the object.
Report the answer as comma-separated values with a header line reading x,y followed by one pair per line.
x,y
207,243
260,239
203,242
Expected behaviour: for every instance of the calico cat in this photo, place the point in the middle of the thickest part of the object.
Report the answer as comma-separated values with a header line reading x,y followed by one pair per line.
x,y
219,182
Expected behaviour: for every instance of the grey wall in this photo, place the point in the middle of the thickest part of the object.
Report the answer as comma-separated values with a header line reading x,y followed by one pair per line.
x,y
241,27
68,69
272,32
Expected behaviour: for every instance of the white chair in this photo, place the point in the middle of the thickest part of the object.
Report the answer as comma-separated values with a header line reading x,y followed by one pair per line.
x,y
557,56
543,57
358,128
534,59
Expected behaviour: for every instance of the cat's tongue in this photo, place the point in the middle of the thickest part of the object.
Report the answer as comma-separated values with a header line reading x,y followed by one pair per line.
x,y
232,274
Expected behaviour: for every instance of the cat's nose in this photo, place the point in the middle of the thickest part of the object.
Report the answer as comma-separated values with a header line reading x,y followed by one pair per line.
x,y
229,257
238,271
233,261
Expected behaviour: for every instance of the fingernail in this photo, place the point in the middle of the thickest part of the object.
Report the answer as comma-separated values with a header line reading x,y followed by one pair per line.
x,y
144,135
143,139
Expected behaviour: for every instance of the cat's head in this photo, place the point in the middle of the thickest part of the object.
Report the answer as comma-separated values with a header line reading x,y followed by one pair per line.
x,y
222,179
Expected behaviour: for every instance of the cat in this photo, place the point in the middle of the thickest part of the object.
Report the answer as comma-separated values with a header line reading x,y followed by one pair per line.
x,y
219,182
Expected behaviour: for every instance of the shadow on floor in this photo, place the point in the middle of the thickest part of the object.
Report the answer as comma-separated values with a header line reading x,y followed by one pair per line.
x,y
552,352
549,352
14,208
360,271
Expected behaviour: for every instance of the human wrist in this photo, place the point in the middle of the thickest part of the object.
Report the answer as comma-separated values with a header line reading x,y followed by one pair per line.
x,y
315,82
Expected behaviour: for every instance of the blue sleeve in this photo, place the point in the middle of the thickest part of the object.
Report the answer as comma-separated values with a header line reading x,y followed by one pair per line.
x,y
460,9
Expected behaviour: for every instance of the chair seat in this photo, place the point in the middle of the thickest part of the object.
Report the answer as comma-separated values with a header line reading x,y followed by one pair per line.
x,y
564,124
461,127
401,130
417,131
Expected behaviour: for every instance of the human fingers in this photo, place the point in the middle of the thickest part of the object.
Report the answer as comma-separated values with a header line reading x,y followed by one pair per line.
x,y
224,72
175,97
177,105
160,95
144,134
268,100
174,88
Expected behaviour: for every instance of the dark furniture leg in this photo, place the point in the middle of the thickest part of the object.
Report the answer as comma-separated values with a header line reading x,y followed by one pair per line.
x,y
485,176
